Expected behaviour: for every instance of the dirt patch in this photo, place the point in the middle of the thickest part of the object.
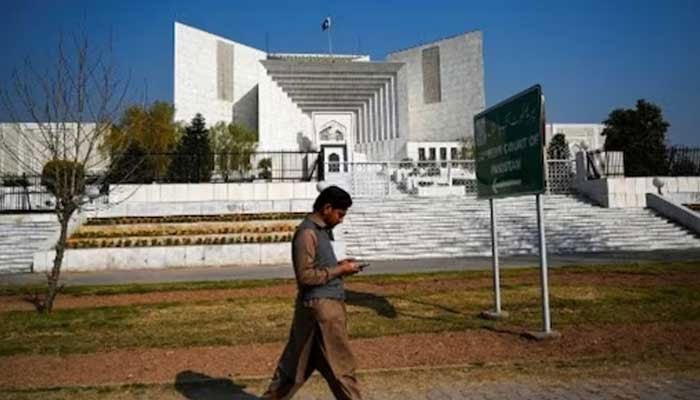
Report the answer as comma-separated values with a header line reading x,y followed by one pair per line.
x,y
632,341
562,278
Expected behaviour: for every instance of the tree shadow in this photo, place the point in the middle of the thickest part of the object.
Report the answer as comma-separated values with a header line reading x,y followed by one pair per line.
x,y
197,386
379,304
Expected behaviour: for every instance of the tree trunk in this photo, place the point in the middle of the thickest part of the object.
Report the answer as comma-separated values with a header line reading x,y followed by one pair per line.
x,y
53,278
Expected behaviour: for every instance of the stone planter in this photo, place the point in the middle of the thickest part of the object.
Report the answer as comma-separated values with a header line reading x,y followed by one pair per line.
x,y
166,256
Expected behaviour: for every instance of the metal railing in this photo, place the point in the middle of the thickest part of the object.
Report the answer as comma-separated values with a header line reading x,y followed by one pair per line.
x,y
26,194
243,166
378,179
683,161
677,161
600,163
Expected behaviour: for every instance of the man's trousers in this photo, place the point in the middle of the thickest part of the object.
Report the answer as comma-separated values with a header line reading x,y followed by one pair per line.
x,y
319,341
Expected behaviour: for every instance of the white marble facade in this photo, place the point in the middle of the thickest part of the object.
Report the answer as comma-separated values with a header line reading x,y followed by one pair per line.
x,y
383,108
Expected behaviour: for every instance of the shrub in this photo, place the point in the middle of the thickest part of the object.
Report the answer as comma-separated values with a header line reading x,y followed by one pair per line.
x,y
265,165
63,178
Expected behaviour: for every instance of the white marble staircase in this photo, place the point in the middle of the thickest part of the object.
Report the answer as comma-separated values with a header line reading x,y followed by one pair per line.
x,y
21,236
405,228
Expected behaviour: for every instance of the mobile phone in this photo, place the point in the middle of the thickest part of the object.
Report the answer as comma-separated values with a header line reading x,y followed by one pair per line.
x,y
363,265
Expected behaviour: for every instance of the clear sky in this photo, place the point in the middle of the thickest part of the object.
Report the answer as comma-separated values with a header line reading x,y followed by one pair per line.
x,y
590,56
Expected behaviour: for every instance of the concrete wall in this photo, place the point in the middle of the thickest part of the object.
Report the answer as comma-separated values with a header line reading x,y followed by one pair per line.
x,y
462,89
21,146
156,209
167,256
174,256
387,150
576,135
281,121
631,192
674,211
195,85
204,192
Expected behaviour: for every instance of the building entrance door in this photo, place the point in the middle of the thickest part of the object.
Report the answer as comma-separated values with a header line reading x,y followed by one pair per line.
x,y
335,157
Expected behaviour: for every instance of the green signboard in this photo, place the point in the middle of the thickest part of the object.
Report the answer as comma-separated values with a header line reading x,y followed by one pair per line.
x,y
509,146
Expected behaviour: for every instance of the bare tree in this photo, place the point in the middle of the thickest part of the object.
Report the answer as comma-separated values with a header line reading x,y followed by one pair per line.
x,y
59,118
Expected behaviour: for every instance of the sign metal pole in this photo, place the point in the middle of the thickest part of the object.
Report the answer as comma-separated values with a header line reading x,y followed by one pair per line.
x,y
546,322
494,253
496,313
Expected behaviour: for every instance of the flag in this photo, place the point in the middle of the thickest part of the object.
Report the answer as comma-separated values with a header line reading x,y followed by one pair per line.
x,y
326,25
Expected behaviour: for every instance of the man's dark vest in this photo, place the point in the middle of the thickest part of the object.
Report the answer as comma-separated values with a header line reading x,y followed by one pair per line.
x,y
325,258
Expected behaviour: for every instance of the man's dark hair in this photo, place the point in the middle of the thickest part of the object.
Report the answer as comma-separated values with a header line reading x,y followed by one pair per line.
x,y
335,196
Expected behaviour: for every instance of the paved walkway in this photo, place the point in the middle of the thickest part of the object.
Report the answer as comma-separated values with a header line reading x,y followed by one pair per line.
x,y
585,390
376,267
654,389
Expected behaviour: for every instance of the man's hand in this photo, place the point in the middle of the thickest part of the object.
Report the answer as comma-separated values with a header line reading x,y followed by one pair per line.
x,y
348,266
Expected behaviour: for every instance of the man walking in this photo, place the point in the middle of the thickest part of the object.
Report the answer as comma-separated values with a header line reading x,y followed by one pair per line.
x,y
319,338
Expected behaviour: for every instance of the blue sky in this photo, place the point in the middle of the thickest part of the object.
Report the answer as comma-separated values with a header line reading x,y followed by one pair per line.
x,y
590,56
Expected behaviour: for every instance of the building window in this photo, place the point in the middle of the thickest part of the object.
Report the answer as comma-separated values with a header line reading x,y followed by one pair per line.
x,y
432,153
443,155
421,154
453,153
431,75
334,163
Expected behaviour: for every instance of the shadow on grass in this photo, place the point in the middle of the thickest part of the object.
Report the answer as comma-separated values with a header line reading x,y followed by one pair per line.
x,y
196,386
379,304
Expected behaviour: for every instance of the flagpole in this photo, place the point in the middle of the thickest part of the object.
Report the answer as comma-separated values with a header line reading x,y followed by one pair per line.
x,y
330,45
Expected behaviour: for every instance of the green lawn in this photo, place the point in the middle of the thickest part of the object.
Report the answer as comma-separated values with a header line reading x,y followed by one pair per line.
x,y
412,303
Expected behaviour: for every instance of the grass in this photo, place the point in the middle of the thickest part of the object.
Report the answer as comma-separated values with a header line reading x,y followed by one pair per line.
x,y
411,304
109,290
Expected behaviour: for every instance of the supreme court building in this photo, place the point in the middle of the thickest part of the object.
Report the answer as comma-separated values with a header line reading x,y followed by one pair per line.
x,y
417,103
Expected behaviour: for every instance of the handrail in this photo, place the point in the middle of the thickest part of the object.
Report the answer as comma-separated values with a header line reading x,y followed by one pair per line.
x,y
592,170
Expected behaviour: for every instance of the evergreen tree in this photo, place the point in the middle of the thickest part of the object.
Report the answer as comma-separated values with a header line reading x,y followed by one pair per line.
x,y
640,134
131,166
192,159
558,148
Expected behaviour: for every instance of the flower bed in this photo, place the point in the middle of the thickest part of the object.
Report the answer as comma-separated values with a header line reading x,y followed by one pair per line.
x,y
204,228
185,230
178,240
